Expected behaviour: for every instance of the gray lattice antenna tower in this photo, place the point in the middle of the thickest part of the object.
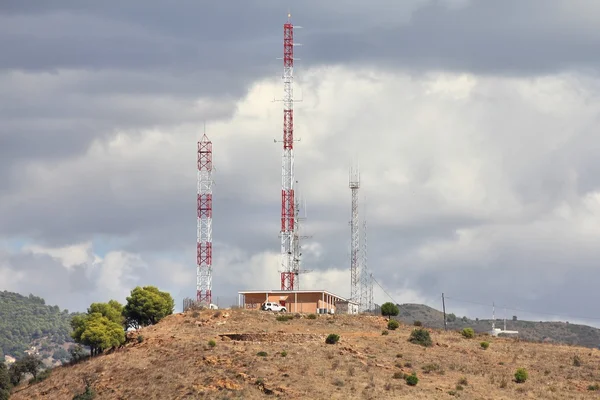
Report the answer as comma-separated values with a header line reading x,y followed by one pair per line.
x,y
297,246
366,284
354,184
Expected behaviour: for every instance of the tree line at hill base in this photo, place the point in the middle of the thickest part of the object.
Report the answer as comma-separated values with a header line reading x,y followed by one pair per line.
x,y
102,327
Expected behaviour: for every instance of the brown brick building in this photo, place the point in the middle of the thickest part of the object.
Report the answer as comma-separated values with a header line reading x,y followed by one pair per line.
x,y
304,301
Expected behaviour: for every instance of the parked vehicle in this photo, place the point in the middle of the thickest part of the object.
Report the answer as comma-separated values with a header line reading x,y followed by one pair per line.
x,y
268,306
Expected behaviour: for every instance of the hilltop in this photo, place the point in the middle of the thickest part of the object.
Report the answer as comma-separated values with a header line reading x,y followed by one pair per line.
x,y
175,359
536,331
27,322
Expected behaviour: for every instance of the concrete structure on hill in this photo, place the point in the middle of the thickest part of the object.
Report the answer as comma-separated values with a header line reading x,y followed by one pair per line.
x,y
305,301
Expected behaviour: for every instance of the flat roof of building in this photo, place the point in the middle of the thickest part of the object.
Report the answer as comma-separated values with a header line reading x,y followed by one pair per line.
x,y
295,291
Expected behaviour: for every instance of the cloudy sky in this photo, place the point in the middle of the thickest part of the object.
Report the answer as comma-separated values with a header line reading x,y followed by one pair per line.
x,y
474,122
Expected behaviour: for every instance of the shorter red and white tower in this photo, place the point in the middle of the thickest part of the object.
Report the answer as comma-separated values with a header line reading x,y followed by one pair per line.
x,y
204,234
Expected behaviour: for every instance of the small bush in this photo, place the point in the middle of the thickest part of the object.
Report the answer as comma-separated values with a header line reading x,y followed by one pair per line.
x,y
311,316
469,333
463,381
521,375
484,345
41,376
262,354
431,368
399,375
393,324
459,387
576,361
385,332
195,314
212,343
338,382
417,323
284,317
217,314
140,338
283,353
594,387
88,394
420,336
332,338
411,380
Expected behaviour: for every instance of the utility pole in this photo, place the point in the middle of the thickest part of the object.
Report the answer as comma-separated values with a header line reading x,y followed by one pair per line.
x,y
444,308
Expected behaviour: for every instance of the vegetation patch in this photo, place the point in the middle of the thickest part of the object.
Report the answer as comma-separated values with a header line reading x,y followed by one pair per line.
x,y
88,394
521,375
311,316
412,380
432,368
421,337
485,345
469,333
389,309
262,354
332,338
284,317
212,343
393,324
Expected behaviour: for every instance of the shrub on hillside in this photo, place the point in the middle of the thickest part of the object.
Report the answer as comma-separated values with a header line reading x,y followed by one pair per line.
x,y
393,324
420,336
262,354
283,318
484,345
469,333
88,394
412,380
576,361
521,375
594,387
212,343
311,316
332,338
385,332
417,323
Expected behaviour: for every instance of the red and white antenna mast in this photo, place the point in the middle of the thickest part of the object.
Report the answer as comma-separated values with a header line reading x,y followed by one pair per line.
x,y
288,214
204,245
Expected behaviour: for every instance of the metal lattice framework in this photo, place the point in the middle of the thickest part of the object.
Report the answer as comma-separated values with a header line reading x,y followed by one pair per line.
x,y
366,287
288,214
204,227
355,283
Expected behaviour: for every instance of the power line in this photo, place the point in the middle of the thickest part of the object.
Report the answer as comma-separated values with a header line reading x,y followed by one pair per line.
x,y
522,310
394,300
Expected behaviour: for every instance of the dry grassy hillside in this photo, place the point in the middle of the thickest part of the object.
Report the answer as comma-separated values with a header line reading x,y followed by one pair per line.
x,y
174,361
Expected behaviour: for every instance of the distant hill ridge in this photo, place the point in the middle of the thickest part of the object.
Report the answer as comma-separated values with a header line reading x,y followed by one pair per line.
x,y
537,331
27,321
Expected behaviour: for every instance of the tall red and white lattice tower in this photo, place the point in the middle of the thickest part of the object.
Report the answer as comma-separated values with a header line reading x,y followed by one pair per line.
x,y
204,245
288,214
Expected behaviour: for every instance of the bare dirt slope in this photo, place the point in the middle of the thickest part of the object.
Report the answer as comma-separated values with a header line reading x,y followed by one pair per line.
x,y
174,361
